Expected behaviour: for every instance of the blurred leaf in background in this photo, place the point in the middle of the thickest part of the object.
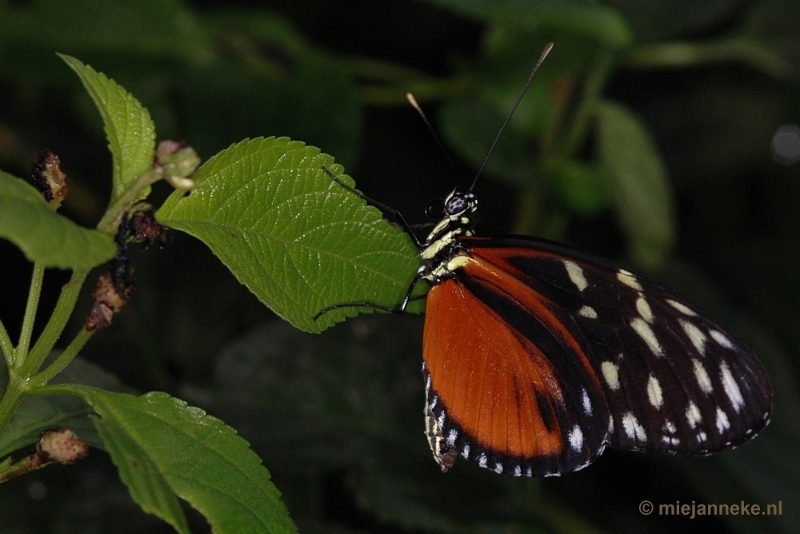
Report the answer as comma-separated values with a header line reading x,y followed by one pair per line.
x,y
337,418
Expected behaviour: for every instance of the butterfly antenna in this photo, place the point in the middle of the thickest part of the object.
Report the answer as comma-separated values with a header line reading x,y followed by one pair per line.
x,y
415,105
513,109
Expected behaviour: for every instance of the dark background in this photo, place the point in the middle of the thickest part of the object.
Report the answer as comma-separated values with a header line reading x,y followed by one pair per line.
x,y
337,418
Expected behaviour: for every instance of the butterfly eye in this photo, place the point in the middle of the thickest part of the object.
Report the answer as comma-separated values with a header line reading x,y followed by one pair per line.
x,y
435,210
456,205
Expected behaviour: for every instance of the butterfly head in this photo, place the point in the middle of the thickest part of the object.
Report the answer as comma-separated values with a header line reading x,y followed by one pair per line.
x,y
457,220
457,216
459,204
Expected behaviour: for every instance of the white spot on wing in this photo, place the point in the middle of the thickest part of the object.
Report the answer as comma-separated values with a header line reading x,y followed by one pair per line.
x,y
731,387
587,404
644,309
627,278
611,374
451,437
702,377
722,339
684,309
576,438
722,421
576,275
695,335
632,427
654,392
646,333
498,468
669,427
588,311
517,471
693,415
482,460
465,452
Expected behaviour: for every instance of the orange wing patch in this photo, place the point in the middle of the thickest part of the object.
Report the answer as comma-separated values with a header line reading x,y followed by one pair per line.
x,y
483,373
493,388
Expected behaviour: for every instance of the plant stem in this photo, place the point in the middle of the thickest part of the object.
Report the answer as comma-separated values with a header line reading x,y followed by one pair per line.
x,y
110,221
601,68
30,315
63,359
682,54
6,345
12,396
55,326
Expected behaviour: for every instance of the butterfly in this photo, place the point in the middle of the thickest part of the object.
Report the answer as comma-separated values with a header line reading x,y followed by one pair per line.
x,y
537,356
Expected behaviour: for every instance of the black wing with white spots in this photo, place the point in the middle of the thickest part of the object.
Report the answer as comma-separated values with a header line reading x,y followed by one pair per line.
x,y
674,379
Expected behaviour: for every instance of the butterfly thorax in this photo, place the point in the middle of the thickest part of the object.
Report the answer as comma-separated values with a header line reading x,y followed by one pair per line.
x,y
441,246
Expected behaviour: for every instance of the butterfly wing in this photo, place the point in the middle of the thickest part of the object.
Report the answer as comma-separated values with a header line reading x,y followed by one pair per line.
x,y
508,386
613,358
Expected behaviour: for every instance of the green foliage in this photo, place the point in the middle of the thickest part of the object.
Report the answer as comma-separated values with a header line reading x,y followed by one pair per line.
x,y
601,24
297,239
148,437
44,236
638,183
164,448
36,414
139,26
129,129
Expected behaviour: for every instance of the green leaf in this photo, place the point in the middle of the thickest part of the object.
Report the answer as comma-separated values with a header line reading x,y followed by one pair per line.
x,y
36,414
639,187
43,235
164,448
297,239
672,19
565,18
158,28
471,124
130,130
582,186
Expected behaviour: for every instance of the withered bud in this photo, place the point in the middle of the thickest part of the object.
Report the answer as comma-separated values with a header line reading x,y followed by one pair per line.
x,y
177,162
107,302
55,445
48,178
61,445
144,227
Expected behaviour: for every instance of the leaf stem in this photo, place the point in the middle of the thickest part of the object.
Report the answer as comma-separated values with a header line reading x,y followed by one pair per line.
x,y
26,333
76,390
63,359
55,326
